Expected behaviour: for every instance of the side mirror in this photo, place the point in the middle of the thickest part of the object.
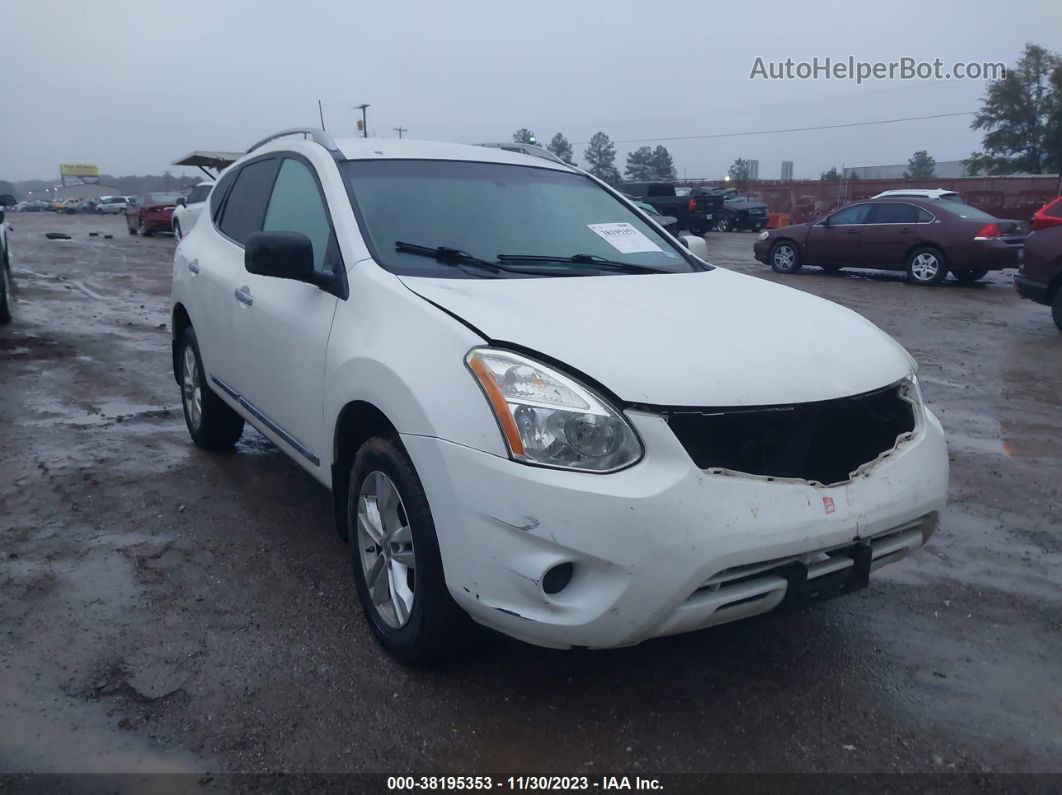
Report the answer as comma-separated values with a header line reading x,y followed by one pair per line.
x,y
282,255
696,245
182,202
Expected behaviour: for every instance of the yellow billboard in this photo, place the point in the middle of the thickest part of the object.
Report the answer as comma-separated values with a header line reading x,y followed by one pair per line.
x,y
78,170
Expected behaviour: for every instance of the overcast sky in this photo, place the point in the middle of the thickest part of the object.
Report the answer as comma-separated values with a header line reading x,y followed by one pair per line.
x,y
131,86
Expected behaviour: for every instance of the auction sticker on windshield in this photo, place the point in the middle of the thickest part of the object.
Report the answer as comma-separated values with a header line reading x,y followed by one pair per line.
x,y
624,238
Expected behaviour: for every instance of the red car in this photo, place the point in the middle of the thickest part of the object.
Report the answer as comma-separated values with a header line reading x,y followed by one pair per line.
x,y
1040,273
1048,215
151,213
926,237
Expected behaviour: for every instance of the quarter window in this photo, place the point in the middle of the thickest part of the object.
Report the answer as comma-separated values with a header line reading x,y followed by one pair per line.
x,y
246,202
297,206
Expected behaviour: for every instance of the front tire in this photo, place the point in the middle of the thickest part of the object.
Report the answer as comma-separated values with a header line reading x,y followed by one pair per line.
x,y
926,266
211,423
394,553
785,257
142,230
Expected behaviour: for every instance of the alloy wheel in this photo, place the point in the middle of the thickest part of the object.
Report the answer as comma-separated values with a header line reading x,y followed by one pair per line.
x,y
385,545
925,266
784,257
191,388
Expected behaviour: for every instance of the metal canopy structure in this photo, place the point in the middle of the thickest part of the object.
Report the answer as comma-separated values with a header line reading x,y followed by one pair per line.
x,y
204,160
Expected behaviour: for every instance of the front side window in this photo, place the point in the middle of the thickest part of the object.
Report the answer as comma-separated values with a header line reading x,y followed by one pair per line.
x,y
297,206
492,209
245,205
856,214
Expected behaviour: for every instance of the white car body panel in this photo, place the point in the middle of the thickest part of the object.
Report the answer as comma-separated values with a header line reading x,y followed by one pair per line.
x,y
683,339
647,541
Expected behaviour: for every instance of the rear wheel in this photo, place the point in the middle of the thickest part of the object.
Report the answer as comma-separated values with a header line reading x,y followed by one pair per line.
x,y
211,423
698,228
926,266
785,257
5,293
722,225
971,275
394,552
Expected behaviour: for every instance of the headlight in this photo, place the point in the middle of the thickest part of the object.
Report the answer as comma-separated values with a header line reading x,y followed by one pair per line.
x,y
763,235
549,419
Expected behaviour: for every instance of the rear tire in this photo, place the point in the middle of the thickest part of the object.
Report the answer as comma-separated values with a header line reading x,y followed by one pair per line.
x,y
211,423
393,543
5,292
926,266
785,257
698,228
722,225
971,275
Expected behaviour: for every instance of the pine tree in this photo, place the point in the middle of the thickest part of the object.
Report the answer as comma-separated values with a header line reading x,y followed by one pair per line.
x,y
524,136
663,166
600,155
640,165
561,148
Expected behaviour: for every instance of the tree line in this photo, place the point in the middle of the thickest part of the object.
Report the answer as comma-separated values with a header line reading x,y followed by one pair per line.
x,y
644,164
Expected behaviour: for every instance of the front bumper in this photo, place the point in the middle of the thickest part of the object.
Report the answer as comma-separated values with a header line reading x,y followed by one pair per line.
x,y
761,248
662,547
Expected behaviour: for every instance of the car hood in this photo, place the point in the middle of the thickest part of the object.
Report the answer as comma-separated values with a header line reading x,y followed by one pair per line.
x,y
713,338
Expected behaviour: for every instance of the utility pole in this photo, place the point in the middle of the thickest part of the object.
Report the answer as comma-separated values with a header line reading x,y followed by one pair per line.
x,y
364,123
400,130
320,112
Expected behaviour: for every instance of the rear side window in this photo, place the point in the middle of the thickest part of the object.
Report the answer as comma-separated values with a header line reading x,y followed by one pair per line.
x,y
924,216
297,206
198,194
965,211
894,214
246,203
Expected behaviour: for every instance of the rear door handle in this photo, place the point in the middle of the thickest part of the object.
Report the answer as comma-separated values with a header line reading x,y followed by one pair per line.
x,y
853,231
243,295
906,230
193,265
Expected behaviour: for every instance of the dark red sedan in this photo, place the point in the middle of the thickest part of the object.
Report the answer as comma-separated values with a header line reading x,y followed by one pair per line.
x,y
1040,274
151,213
926,237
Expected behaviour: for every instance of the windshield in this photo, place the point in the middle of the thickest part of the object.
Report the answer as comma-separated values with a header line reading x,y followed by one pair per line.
x,y
492,209
964,211
162,198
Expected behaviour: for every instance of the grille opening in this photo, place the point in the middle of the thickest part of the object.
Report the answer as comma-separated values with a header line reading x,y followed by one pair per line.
x,y
823,441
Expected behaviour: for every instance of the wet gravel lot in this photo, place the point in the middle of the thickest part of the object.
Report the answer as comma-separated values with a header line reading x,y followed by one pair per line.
x,y
162,608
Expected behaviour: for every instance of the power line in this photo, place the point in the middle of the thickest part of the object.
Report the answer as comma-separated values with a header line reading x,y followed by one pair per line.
x,y
789,130
400,130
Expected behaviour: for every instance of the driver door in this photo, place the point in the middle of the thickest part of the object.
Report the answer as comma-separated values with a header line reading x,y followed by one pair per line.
x,y
837,239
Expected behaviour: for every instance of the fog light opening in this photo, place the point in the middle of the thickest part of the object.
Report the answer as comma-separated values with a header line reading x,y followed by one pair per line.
x,y
557,578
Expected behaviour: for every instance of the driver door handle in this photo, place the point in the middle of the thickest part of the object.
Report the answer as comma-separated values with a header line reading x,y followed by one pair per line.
x,y
193,265
243,295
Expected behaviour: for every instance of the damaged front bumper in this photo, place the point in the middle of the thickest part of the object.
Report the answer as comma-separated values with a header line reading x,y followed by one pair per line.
x,y
664,547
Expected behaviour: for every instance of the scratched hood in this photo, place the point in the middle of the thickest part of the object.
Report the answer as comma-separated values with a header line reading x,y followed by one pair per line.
x,y
714,338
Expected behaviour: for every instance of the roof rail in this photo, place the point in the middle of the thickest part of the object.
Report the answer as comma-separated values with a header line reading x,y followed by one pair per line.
x,y
528,149
318,136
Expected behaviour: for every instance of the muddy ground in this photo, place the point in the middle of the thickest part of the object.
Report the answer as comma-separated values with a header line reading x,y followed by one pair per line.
x,y
162,608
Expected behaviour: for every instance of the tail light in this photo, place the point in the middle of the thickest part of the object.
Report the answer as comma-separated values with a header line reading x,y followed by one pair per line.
x,y
691,205
988,231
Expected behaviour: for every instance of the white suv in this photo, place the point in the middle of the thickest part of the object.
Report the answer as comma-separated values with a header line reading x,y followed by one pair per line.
x,y
188,210
536,408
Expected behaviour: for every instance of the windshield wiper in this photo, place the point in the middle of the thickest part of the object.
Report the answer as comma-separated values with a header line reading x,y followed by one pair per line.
x,y
458,258
448,256
584,259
